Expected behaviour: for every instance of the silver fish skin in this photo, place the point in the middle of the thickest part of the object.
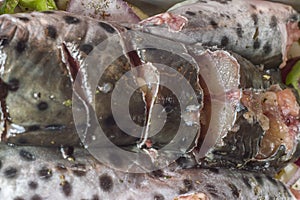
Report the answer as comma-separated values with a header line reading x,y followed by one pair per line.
x,y
28,172
260,31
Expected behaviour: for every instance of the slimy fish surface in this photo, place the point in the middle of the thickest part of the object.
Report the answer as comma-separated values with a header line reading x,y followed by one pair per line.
x,y
41,173
260,31
41,54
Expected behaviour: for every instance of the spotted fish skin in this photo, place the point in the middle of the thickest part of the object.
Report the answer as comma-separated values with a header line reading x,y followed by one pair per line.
x,y
57,43
35,171
260,31
40,55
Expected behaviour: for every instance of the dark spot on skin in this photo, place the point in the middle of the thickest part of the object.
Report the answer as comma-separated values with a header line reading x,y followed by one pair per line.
x,y
4,41
273,22
234,190
267,48
24,19
10,172
158,173
293,18
253,6
106,183
107,27
66,188
54,127
86,48
26,155
222,1
188,186
71,20
190,13
79,169
67,151
256,44
61,167
239,30
21,46
95,197
214,24
247,182
159,197
272,180
19,198
36,197
33,128
42,106
33,185
214,170
224,41
51,32
45,173
259,180
254,18
48,12
13,84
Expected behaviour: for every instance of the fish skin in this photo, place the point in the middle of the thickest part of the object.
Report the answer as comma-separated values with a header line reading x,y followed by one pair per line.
x,y
65,49
60,41
54,126
226,106
260,31
112,10
24,178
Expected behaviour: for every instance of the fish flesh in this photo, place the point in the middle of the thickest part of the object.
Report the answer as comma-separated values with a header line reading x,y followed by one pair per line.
x,y
247,118
239,106
41,173
260,31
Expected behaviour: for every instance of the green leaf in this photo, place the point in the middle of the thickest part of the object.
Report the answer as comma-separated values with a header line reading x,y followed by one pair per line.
x,y
38,5
293,77
9,6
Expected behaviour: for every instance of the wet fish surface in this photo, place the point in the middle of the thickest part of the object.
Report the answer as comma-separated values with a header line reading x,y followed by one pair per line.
x,y
260,31
36,107
49,39
41,173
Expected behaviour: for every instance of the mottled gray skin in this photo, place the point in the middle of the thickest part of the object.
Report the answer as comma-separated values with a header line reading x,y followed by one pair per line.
x,y
35,171
38,92
254,29
41,54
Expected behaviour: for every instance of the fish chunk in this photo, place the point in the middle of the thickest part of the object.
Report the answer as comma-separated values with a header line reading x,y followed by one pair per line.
x,y
260,31
37,172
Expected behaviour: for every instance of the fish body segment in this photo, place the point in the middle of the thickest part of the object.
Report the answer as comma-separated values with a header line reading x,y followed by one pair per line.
x,y
260,31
